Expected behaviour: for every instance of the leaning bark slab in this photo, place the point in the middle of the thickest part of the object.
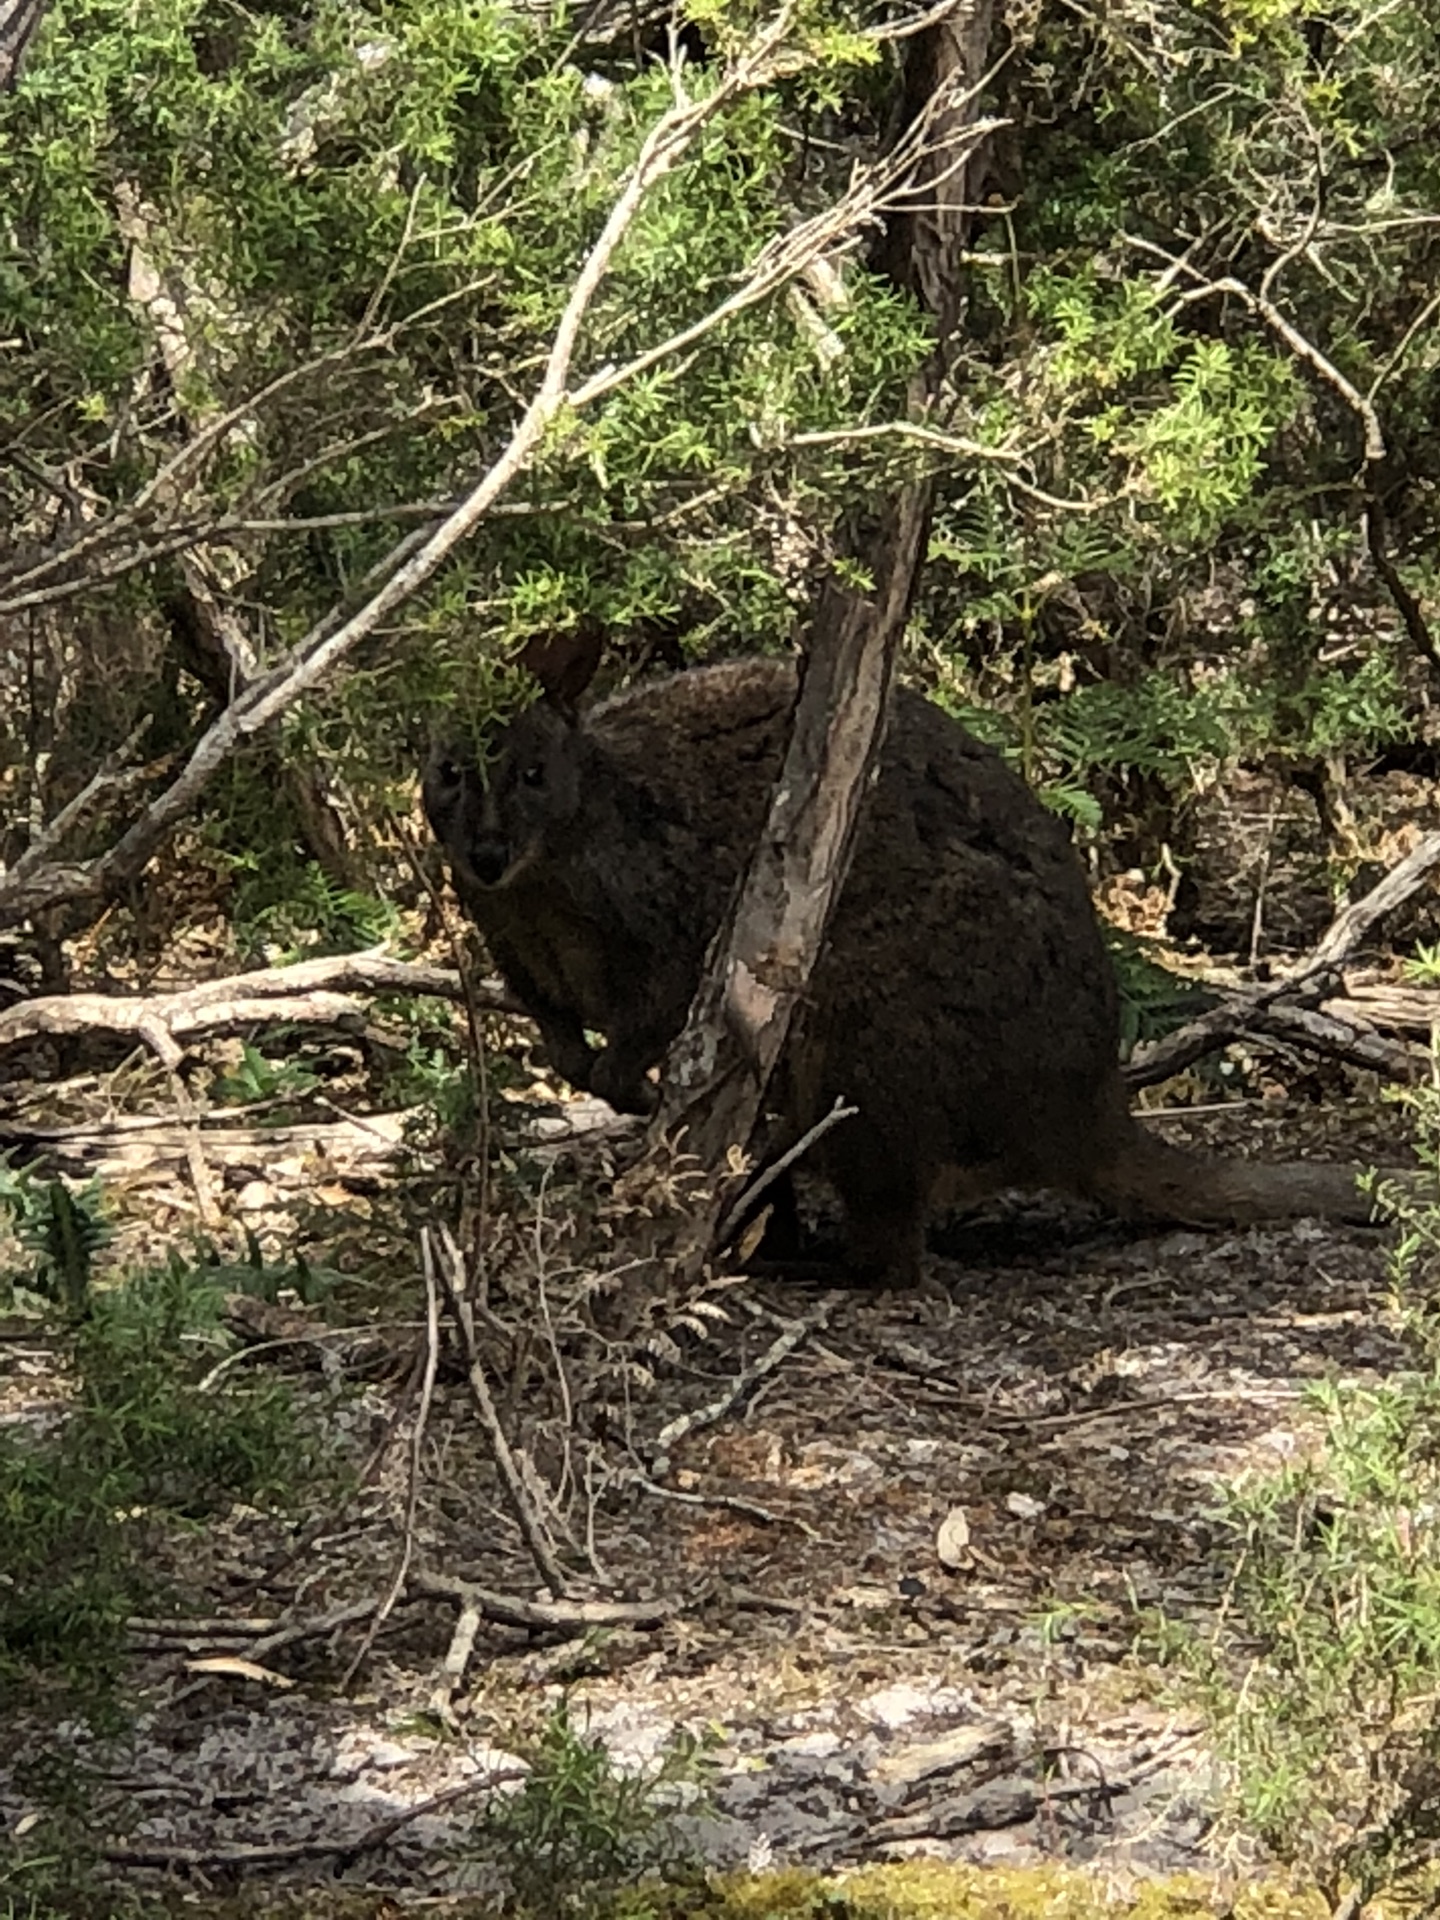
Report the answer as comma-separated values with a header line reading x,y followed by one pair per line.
x,y
717,1071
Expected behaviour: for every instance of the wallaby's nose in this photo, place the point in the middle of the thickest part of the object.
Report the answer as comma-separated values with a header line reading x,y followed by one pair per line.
x,y
489,858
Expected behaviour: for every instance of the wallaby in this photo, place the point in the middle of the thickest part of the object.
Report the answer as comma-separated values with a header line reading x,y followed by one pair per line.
x,y
964,1000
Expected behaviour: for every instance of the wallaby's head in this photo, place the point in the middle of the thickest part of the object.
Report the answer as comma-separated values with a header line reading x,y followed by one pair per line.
x,y
494,817
497,815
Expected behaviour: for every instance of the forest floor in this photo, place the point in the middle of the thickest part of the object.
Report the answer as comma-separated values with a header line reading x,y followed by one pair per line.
x,y
918,1581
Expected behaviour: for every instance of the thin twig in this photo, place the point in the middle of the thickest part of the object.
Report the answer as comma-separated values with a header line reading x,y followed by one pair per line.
x,y
451,1270
412,1490
774,1355
556,1616
766,1179
727,1503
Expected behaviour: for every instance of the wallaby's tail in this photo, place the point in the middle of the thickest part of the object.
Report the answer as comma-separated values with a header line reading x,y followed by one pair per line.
x,y
1146,1177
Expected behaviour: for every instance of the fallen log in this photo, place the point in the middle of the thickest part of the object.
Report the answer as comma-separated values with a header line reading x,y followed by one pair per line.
x,y
1389,1004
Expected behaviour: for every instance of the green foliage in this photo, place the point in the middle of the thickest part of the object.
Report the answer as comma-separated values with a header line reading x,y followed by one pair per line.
x,y
1154,999
140,1445
434,1077
1322,1672
292,910
1190,302
260,1278
257,1078
580,1828
61,1230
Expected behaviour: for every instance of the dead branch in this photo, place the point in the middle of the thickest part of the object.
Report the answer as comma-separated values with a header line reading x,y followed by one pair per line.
x,y
766,1179
413,1478
1264,308
554,1616
316,992
285,1853
1243,1014
450,1268
145,1147
313,1627
241,1317
1349,927
778,1351
725,1503
1334,1031
457,1657
240,1639
113,779
142,1147
1408,1009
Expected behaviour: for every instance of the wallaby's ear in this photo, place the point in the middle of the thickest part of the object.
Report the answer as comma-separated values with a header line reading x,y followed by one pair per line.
x,y
565,663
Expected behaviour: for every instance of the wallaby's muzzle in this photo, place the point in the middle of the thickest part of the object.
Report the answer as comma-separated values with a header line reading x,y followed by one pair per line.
x,y
490,860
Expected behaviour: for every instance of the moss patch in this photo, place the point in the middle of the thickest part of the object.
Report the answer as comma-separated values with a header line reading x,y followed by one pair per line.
x,y
929,1889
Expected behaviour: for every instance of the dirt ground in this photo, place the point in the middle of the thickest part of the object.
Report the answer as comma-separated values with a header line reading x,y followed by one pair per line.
x,y
907,1578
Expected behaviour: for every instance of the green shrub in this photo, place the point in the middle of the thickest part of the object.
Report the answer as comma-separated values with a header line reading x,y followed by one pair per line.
x,y
580,1829
1322,1671
137,1448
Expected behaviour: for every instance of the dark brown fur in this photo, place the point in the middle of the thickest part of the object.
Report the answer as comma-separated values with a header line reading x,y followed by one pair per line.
x,y
964,1000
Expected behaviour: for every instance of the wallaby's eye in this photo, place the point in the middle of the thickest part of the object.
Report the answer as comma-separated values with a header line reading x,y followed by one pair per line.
x,y
534,776
448,773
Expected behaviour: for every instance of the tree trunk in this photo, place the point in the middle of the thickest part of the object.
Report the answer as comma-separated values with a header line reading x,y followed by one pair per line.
x,y
717,1071
18,21
762,960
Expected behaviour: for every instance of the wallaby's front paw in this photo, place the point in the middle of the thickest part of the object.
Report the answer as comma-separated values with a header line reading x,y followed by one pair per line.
x,y
573,1061
626,1089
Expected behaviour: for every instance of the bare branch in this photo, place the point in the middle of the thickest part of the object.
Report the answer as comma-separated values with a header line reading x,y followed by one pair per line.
x,y
1353,922
766,1179
112,778
784,259
316,990
779,1350
450,1268
1242,1014
953,443
1362,405
1265,309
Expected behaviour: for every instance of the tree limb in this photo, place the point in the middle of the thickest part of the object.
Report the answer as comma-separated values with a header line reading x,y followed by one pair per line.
x,y
1243,1013
311,990
321,651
